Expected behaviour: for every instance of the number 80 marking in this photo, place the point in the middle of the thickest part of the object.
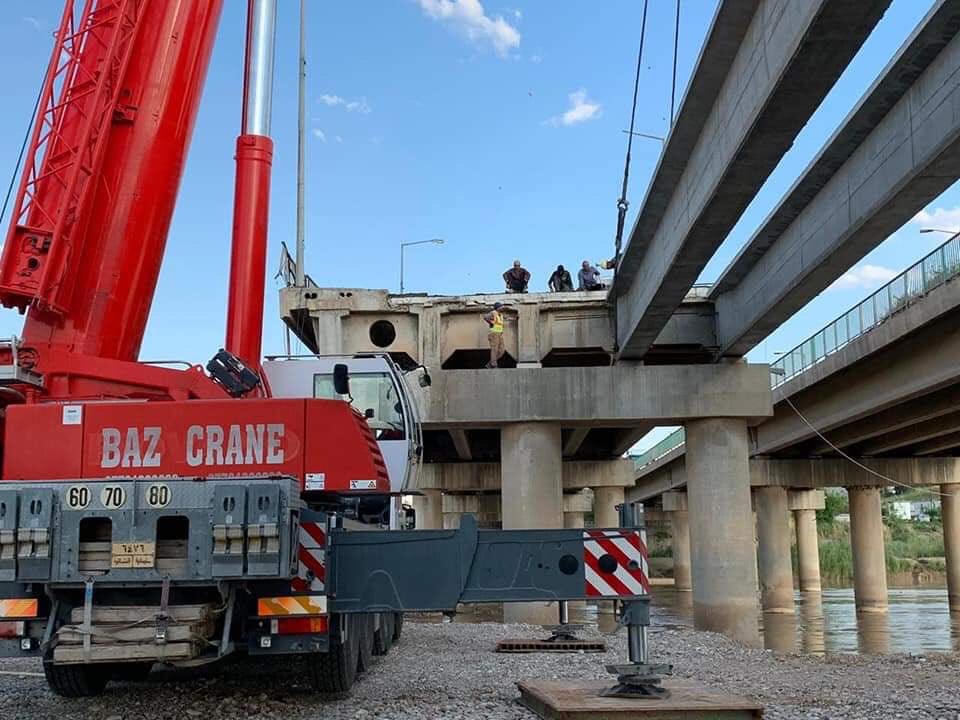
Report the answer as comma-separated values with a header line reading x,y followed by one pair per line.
x,y
158,495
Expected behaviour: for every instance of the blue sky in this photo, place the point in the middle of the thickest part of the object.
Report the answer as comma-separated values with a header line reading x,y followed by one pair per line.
x,y
494,125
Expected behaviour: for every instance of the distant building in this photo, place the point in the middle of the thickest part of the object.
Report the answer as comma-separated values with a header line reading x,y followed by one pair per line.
x,y
913,509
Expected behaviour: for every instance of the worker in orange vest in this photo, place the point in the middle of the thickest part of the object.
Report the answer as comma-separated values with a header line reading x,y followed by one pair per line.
x,y
494,321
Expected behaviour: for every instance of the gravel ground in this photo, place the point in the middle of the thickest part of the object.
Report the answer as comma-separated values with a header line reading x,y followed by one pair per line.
x,y
449,671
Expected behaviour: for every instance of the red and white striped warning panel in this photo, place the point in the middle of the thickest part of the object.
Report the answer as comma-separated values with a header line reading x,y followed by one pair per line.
x,y
615,563
311,559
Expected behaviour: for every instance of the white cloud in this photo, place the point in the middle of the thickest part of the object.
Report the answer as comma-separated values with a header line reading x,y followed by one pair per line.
x,y
536,59
318,133
338,138
581,110
942,218
359,105
470,19
864,277
33,22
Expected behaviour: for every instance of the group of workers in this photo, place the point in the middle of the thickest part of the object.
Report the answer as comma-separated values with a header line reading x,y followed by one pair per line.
x,y
517,278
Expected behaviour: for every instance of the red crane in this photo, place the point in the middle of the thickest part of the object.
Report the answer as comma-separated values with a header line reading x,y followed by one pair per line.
x,y
97,195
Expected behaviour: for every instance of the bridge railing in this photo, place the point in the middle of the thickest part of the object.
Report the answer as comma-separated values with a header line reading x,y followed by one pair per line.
x,y
669,443
938,267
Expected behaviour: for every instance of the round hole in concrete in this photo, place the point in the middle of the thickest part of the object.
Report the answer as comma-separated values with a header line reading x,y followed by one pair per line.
x,y
383,333
569,564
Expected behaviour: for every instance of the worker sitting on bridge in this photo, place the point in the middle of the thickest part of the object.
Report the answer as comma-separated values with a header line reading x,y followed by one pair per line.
x,y
494,321
589,277
516,278
561,281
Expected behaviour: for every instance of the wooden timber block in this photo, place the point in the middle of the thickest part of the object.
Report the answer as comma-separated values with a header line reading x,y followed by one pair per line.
x,y
114,635
582,700
116,653
136,613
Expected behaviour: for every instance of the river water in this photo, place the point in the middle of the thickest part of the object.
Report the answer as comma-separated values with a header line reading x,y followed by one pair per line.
x,y
918,621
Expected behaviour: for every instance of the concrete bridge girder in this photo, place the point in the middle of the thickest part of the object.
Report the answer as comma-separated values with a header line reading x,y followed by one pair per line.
x,y
446,331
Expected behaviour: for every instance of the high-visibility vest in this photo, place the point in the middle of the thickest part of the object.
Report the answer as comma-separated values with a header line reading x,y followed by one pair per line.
x,y
497,326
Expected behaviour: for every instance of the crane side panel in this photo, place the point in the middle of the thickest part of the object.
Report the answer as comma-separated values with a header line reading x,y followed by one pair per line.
x,y
343,455
43,442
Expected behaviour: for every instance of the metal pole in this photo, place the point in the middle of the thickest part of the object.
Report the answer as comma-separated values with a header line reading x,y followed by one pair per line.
x,y
676,44
401,268
301,146
564,613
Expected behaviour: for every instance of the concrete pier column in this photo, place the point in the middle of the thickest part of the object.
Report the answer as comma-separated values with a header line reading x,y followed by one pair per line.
x,y
605,501
722,555
429,510
575,506
804,505
773,549
950,510
531,496
676,507
605,515
869,560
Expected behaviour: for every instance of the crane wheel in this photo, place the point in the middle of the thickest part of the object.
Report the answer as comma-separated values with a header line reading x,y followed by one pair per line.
x,y
131,671
74,681
383,638
397,626
335,670
366,626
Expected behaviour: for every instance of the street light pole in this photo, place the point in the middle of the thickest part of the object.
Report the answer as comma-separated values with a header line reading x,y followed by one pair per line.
x,y
434,241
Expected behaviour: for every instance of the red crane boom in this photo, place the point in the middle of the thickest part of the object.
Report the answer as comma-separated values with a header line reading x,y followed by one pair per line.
x,y
94,205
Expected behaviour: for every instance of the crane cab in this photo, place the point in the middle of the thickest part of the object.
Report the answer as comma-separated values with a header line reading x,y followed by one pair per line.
x,y
378,390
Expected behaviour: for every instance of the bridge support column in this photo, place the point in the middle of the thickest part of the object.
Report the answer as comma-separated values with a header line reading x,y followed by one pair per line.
x,y
605,501
428,509
773,549
869,559
605,515
722,554
950,510
531,496
804,504
675,506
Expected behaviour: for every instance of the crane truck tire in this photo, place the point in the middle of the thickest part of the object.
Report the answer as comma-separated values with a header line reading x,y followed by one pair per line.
x,y
367,626
383,637
335,670
75,681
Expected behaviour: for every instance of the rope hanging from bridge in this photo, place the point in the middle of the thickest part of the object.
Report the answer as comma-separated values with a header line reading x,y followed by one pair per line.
x,y
856,462
622,203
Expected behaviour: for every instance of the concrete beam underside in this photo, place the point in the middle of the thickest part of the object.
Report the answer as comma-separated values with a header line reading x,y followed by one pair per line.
x,y
790,56
917,364
896,152
622,395
813,473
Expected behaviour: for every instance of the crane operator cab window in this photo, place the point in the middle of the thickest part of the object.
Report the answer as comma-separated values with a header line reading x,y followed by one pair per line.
x,y
373,395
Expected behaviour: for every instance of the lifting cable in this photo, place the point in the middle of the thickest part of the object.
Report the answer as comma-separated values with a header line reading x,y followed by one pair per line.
x,y
857,462
622,203
676,43
23,149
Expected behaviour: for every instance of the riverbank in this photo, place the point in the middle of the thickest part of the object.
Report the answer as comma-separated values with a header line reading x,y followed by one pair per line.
x,y
450,671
